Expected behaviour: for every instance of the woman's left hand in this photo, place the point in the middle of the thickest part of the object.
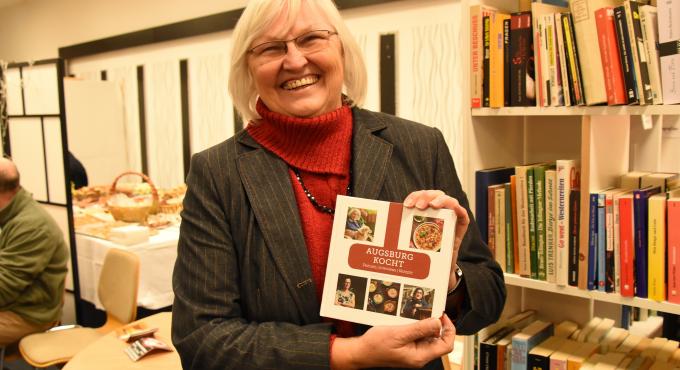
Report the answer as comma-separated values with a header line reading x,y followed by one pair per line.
x,y
437,199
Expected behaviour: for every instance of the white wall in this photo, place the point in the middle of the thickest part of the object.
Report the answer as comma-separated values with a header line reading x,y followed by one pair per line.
x,y
36,29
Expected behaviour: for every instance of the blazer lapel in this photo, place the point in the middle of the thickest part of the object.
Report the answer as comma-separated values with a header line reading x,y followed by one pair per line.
x,y
370,155
267,183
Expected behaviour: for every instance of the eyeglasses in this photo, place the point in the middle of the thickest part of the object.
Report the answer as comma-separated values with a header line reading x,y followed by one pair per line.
x,y
307,43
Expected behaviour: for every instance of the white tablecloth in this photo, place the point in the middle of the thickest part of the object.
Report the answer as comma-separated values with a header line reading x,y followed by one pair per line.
x,y
157,259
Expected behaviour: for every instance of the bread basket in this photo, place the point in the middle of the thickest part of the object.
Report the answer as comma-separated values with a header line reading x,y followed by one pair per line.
x,y
137,213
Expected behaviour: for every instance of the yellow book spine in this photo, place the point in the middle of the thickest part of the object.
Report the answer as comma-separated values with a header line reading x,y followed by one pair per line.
x,y
656,247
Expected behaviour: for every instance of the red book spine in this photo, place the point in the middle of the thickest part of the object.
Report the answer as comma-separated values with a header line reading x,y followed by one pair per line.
x,y
611,61
673,241
626,237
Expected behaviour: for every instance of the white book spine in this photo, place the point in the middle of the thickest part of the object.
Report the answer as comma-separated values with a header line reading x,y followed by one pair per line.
x,y
562,61
563,179
648,23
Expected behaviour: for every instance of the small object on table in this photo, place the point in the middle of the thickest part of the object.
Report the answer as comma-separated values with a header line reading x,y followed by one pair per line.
x,y
144,346
135,331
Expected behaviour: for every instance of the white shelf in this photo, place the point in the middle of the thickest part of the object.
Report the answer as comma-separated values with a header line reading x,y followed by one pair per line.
x,y
632,110
511,279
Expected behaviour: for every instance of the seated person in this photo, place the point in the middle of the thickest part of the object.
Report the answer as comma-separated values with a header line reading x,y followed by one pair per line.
x,y
33,260
356,228
414,303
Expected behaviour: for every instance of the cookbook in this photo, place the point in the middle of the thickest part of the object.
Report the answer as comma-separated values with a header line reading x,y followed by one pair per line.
x,y
387,264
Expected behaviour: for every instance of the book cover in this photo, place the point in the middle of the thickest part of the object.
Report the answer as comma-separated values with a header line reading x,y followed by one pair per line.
x,y
626,54
503,350
664,180
632,180
477,12
639,51
539,356
483,179
674,249
571,53
609,52
583,16
641,223
396,274
580,355
526,340
669,20
522,92
650,33
558,360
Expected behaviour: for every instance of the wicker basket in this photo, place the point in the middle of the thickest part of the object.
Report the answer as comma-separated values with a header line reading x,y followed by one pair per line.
x,y
137,213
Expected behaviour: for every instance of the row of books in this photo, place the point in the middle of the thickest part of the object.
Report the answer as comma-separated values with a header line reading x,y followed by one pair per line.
x,y
530,217
526,342
634,239
546,55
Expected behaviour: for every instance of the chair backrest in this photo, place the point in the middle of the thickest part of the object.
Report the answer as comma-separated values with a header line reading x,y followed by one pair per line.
x,y
118,283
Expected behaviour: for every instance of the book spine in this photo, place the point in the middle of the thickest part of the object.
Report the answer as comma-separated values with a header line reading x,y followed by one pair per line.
x,y
648,24
509,231
522,222
487,356
588,52
486,62
601,242
617,246
674,250
515,223
669,54
574,66
563,171
657,248
538,362
531,206
499,195
491,219
541,64
550,225
638,49
641,222
562,59
506,63
519,354
592,243
627,237
522,56
539,192
611,64
556,94
476,55
574,225
497,66
625,55
610,271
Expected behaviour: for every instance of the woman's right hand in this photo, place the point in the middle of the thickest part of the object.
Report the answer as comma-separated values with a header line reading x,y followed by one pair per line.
x,y
412,345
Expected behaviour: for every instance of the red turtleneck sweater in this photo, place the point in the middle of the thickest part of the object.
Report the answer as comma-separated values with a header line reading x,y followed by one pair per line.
x,y
320,148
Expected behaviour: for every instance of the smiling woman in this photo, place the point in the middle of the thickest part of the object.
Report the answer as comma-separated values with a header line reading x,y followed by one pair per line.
x,y
259,208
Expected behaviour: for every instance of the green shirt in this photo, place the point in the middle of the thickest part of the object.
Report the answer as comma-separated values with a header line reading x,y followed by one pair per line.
x,y
33,259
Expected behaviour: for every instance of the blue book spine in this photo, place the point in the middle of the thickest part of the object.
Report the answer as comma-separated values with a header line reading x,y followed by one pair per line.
x,y
640,213
601,242
592,243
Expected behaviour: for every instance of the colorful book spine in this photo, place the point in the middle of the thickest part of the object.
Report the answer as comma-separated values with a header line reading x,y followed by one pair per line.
x,y
484,179
515,226
640,210
509,231
506,62
592,242
626,55
562,59
522,59
499,196
565,175
609,263
524,259
601,242
673,206
627,241
656,247
486,61
611,62
539,211
574,232
531,213
639,51
477,13
572,59
550,224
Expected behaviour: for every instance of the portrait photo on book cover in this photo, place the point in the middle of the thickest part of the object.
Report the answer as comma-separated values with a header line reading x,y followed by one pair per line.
x,y
350,291
360,223
383,296
417,302
426,233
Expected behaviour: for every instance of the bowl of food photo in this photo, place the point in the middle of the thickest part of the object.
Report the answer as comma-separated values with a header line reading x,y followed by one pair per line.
x,y
428,236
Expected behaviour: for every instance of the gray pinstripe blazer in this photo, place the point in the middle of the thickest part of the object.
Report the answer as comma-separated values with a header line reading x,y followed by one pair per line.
x,y
244,296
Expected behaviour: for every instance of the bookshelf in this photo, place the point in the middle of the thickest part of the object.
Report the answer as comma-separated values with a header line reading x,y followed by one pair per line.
x,y
607,140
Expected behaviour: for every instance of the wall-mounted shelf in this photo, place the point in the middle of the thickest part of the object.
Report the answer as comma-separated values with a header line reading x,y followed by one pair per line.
x,y
636,110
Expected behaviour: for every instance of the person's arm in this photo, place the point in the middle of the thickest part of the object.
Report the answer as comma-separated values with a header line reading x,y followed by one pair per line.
x,y
24,256
209,328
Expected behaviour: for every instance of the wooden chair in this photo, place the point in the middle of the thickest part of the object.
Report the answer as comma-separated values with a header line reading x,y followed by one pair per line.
x,y
117,292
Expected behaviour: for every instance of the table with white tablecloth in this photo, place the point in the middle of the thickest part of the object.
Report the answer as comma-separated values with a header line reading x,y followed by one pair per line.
x,y
157,260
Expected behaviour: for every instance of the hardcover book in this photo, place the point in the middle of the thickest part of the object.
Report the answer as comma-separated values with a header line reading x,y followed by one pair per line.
x,y
484,179
387,264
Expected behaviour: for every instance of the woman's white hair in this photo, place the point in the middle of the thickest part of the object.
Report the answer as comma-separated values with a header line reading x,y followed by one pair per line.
x,y
256,18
